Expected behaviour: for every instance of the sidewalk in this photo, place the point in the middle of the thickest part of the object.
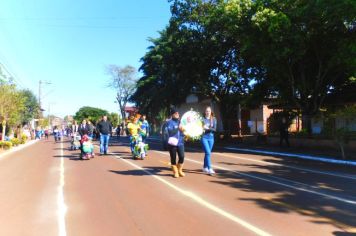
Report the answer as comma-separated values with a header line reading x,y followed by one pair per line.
x,y
326,156
4,153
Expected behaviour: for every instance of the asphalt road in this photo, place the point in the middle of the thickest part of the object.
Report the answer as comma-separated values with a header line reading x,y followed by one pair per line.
x,y
45,189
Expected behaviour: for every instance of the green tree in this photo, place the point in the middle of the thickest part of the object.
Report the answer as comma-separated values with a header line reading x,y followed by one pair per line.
x,y
11,105
193,54
114,119
91,113
32,107
307,48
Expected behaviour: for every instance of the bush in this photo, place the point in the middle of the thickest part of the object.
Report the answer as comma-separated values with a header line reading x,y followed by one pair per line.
x,y
23,138
15,141
5,144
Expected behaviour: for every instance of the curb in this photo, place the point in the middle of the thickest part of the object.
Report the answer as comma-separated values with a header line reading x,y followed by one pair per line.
x,y
301,156
286,154
15,149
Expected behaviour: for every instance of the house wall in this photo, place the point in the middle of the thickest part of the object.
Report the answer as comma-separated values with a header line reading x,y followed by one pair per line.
x,y
258,119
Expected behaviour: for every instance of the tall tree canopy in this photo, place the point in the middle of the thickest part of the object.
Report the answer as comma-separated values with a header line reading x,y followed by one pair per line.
x,y
91,113
297,52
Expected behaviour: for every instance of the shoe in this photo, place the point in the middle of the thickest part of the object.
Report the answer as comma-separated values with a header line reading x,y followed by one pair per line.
x,y
206,170
175,171
211,171
180,170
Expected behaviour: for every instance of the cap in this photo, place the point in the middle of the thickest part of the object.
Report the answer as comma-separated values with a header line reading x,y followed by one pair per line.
x,y
173,110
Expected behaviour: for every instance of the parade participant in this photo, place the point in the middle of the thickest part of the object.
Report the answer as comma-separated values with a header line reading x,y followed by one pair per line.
x,y
118,131
46,132
164,137
83,130
174,131
38,133
56,134
145,128
283,132
209,126
105,128
133,128
91,130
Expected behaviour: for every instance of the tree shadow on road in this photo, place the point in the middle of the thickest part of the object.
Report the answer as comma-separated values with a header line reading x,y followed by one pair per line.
x,y
70,157
159,171
339,233
283,199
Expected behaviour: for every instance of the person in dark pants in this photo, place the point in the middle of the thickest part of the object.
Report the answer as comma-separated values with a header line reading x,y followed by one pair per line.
x,y
118,131
175,145
283,132
105,128
83,129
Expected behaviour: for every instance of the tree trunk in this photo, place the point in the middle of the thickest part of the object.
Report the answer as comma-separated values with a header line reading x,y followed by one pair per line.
x,y
225,120
239,130
3,130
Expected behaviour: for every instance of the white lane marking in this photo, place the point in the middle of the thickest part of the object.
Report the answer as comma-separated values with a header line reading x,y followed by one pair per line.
x,y
200,201
288,166
276,182
62,208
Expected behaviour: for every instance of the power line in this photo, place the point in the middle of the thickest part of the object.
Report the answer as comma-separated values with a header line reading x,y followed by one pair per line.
x,y
11,76
113,18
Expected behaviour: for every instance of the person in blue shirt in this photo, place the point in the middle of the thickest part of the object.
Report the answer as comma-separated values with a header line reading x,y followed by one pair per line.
x,y
174,132
145,128
209,126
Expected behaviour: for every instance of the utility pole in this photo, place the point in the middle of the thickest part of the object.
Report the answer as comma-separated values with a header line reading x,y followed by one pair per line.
x,y
40,90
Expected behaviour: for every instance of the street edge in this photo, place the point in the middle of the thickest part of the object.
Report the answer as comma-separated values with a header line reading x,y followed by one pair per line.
x,y
17,148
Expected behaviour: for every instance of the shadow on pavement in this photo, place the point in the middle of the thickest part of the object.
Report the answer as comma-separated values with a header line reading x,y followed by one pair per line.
x,y
320,209
343,234
152,171
70,157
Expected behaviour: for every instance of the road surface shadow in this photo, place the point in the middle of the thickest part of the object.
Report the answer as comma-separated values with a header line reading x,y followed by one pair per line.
x,y
70,157
320,209
337,233
159,171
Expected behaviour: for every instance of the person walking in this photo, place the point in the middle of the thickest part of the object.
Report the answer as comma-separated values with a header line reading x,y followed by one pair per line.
x,y
133,130
46,132
145,128
104,128
91,130
118,131
283,132
56,133
174,132
83,129
164,135
209,126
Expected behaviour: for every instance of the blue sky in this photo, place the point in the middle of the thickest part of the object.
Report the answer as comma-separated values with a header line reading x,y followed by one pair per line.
x,y
69,43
